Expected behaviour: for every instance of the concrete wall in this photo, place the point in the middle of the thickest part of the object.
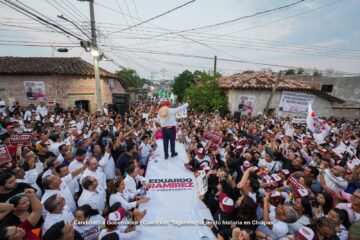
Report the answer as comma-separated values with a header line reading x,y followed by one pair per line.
x,y
62,89
321,106
346,88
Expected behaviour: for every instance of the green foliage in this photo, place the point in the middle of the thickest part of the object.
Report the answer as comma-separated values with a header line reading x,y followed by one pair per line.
x,y
300,71
132,79
206,95
290,72
316,73
181,83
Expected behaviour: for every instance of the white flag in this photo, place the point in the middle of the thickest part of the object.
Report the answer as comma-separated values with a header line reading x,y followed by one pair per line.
x,y
318,127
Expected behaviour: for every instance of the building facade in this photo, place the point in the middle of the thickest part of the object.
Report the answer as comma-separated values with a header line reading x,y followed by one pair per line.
x,y
250,93
67,81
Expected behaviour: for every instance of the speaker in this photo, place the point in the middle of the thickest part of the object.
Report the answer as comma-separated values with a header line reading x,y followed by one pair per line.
x,y
120,98
237,116
121,108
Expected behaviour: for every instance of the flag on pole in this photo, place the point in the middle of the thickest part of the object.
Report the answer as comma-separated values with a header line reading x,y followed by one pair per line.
x,y
318,127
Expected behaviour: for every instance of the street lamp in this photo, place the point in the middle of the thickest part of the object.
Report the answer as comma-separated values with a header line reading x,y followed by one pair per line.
x,y
94,52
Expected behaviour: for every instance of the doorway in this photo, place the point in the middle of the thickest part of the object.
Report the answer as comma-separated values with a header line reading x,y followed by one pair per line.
x,y
83,104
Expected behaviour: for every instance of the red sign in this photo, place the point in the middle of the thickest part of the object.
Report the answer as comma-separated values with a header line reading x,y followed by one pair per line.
x,y
4,154
17,140
214,137
298,188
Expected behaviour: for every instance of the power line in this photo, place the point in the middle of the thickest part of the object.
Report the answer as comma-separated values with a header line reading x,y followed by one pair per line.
x,y
37,18
155,17
239,18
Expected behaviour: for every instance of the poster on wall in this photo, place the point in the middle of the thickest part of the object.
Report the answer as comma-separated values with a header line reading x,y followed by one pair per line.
x,y
111,84
247,104
35,90
295,102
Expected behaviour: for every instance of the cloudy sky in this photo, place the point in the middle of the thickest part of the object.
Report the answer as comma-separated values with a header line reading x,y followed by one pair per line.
x,y
320,34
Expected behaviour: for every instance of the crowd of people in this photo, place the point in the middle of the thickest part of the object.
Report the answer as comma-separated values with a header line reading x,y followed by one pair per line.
x,y
268,178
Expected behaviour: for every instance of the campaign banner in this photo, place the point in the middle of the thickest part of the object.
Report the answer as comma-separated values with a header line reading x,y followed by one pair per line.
x,y
295,102
247,104
4,154
201,183
298,188
211,136
35,90
18,140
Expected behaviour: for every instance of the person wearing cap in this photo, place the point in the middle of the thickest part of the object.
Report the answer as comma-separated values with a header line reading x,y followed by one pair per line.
x,y
114,226
276,219
224,213
167,119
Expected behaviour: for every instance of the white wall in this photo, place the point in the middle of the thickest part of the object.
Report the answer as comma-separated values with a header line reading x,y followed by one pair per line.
x,y
322,107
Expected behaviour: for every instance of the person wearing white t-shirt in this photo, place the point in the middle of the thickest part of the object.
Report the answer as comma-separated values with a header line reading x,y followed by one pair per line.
x,y
106,161
93,194
55,185
95,171
63,171
276,219
78,162
353,208
42,110
88,222
269,164
132,180
57,211
118,194
144,151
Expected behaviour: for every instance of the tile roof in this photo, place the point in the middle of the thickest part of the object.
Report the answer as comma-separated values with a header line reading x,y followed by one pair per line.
x,y
48,66
263,81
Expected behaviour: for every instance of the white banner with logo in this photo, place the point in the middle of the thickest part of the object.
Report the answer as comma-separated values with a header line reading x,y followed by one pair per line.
x,y
174,210
295,101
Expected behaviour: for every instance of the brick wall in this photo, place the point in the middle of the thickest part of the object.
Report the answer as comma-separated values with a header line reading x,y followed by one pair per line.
x,y
63,89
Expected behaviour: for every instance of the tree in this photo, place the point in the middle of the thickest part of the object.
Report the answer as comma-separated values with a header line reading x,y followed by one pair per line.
x,y
290,72
206,95
132,79
300,71
181,83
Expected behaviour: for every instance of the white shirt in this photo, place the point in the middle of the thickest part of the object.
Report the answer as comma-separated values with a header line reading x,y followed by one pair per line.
x,y
43,111
98,175
280,229
337,184
301,222
123,236
131,183
74,165
107,164
91,231
272,166
123,198
145,152
54,148
51,218
171,120
64,192
95,199
353,216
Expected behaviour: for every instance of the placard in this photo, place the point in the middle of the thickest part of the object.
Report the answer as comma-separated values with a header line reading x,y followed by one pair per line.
x,y
4,154
211,136
201,183
295,102
17,140
298,188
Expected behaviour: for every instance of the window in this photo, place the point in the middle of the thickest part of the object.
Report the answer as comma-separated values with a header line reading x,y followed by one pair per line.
x,y
327,88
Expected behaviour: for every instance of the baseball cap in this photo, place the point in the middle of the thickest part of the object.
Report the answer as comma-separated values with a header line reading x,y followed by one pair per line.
x,y
10,126
305,233
115,217
227,203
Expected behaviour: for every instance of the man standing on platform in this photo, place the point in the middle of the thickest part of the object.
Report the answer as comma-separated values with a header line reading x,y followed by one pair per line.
x,y
167,119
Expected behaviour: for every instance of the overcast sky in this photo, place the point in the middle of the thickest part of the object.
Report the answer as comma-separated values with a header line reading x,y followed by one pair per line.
x,y
315,33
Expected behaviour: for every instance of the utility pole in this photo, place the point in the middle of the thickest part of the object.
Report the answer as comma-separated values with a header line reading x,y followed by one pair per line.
x,y
274,87
95,53
215,62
